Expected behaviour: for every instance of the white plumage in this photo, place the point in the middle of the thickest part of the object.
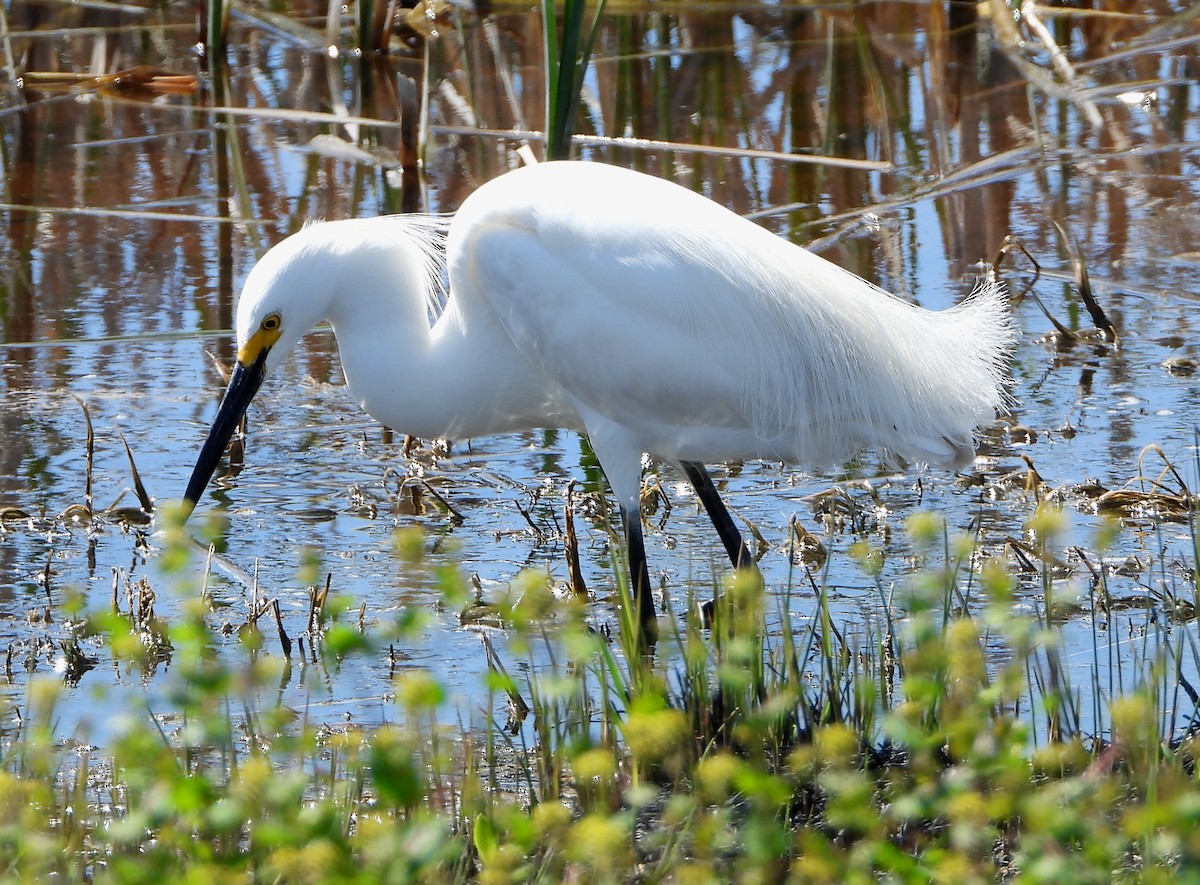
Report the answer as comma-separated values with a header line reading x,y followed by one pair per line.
x,y
624,306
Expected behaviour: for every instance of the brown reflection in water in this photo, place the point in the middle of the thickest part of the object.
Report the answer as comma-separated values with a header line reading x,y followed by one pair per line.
x,y
23,187
969,108
922,86
220,127
16,323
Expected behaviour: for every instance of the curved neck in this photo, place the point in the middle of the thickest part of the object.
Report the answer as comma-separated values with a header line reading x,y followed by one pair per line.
x,y
461,378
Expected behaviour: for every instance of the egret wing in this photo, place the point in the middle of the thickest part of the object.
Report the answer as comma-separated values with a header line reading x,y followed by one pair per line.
x,y
674,317
625,316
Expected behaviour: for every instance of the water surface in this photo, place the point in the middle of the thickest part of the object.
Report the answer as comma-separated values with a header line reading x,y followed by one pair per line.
x,y
130,218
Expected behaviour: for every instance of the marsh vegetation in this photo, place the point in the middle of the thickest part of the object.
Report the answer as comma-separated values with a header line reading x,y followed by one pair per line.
x,y
376,674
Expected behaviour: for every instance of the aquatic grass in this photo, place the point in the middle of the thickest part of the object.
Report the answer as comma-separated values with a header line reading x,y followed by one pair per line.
x,y
567,57
371,25
216,27
891,767
765,749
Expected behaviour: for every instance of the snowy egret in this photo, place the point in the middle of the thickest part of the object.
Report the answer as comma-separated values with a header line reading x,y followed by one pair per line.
x,y
626,307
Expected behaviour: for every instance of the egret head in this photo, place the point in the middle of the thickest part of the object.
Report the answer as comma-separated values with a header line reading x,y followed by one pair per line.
x,y
286,294
370,273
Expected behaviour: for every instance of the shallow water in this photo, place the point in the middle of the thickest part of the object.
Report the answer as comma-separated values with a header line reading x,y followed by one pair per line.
x,y
150,208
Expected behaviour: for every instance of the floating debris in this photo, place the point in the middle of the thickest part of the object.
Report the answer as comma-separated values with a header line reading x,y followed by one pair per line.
x,y
77,513
805,548
315,514
1181,366
1019,434
1165,496
129,516
138,79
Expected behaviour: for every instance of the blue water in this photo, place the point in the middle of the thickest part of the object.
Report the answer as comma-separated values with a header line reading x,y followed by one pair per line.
x,y
120,309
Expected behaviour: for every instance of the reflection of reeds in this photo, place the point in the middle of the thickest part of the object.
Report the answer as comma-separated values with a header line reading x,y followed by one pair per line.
x,y
373,18
991,156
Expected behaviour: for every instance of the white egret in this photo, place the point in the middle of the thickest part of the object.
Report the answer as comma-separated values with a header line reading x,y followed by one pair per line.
x,y
626,307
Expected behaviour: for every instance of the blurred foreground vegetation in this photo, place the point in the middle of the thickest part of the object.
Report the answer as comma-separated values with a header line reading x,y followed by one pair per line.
x,y
934,745
947,748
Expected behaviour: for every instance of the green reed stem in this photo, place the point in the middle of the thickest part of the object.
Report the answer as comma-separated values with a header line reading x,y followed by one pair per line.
x,y
218,23
567,61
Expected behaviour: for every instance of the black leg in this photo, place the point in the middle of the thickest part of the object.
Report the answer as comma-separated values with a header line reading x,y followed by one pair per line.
x,y
639,576
739,554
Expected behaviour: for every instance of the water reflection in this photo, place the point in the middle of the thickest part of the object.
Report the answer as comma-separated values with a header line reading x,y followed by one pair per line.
x,y
150,210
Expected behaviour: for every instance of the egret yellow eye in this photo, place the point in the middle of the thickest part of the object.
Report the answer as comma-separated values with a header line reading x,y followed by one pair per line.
x,y
270,323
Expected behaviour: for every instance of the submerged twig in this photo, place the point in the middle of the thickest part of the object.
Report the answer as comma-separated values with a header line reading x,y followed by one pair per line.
x,y
1012,244
1066,337
455,516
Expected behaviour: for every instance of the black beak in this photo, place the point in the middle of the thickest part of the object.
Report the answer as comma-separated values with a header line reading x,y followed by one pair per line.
x,y
242,386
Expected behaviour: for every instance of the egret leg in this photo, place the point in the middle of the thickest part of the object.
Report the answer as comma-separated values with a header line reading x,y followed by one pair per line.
x,y
639,576
698,476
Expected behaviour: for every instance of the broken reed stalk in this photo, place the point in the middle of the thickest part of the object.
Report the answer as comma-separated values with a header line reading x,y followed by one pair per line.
x,y
143,497
284,640
1067,337
1099,318
90,452
316,606
571,545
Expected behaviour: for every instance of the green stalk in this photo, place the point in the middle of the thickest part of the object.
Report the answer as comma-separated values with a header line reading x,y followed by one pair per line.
x,y
566,66
366,14
218,20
